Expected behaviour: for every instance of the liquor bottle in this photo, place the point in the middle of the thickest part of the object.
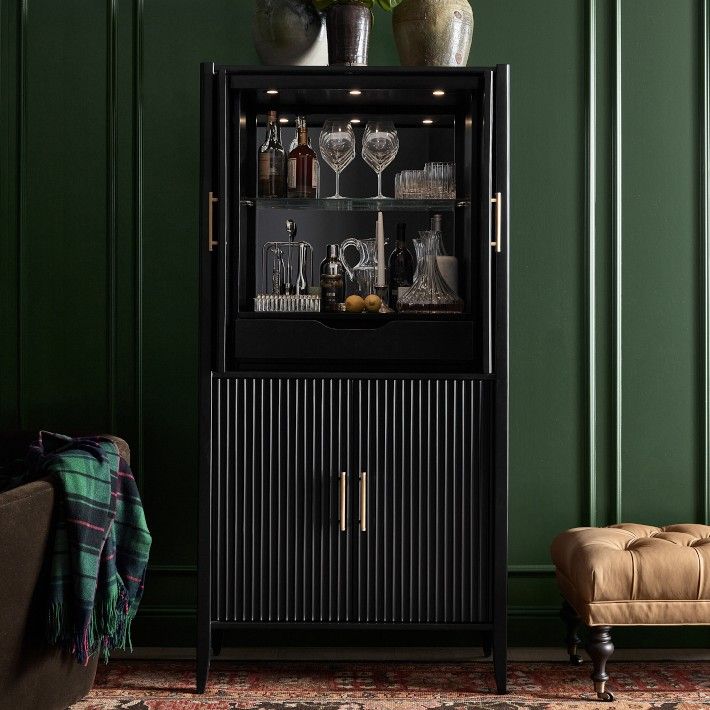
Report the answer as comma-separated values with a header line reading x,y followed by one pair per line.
x,y
272,161
332,280
401,266
300,123
303,168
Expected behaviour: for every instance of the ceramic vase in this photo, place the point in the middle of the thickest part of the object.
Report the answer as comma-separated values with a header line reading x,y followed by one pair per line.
x,y
433,32
289,33
349,25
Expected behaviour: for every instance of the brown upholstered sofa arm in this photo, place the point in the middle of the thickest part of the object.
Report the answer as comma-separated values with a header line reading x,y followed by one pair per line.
x,y
32,674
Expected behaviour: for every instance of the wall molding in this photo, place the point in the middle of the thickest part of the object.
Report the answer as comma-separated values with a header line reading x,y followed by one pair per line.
x,y
138,24
111,137
21,191
514,570
591,241
172,569
705,261
617,240
167,610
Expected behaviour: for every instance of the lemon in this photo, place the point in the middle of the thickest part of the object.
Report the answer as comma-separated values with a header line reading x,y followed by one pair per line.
x,y
354,304
373,303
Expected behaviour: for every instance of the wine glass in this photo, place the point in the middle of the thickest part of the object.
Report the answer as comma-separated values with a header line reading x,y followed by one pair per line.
x,y
337,146
379,148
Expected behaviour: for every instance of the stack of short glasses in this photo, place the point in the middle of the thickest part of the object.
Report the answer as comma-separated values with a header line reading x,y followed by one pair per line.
x,y
436,182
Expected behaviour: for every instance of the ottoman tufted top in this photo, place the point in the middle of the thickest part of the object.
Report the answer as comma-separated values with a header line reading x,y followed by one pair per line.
x,y
643,574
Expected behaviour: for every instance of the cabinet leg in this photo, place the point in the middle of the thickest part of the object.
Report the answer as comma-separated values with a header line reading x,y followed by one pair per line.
x,y
572,622
500,661
600,648
203,656
217,638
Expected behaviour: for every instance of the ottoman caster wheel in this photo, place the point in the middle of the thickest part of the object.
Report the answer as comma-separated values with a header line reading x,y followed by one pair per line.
x,y
606,696
575,659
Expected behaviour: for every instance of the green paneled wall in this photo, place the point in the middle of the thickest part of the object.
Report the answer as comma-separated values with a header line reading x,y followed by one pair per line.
x,y
610,333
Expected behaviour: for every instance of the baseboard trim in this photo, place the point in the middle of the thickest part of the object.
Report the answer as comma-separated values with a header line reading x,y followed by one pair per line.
x,y
414,654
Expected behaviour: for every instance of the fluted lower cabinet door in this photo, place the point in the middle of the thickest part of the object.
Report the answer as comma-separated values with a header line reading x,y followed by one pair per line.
x,y
422,547
279,445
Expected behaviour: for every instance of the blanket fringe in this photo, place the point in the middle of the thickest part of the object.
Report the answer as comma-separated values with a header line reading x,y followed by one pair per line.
x,y
107,629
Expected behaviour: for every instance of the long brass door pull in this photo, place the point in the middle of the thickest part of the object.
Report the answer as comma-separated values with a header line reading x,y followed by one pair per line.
x,y
498,202
343,500
211,243
363,502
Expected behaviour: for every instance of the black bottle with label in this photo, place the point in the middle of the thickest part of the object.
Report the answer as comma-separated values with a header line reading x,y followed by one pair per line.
x,y
401,266
332,280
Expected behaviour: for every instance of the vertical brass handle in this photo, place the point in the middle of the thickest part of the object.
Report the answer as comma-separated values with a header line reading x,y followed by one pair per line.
x,y
343,498
363,502
498,202
211,243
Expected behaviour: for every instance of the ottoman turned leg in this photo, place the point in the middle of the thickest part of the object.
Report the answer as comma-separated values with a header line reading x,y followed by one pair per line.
x,y
600,648
572,622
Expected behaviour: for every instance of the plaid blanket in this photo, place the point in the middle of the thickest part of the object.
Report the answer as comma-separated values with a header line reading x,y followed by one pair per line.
x,y
100,548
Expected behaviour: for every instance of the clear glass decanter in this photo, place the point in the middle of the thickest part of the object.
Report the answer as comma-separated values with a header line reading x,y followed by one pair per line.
x,y
429,293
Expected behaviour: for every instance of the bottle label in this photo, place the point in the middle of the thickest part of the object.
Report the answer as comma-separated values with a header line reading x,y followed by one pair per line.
x,y
314,175
268,165
292,163
331,288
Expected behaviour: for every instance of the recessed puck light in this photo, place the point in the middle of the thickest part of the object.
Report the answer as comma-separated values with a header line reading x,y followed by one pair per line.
x,y
438,92
427,121
354,120
355,92
272,92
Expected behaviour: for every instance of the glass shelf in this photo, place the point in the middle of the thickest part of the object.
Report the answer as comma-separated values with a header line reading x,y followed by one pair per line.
x,y
355,204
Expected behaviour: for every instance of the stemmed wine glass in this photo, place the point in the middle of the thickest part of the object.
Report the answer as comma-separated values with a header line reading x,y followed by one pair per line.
x,y
337,146
379,148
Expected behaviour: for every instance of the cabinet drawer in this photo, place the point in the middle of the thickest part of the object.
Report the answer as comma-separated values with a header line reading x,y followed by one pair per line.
x,y
445,341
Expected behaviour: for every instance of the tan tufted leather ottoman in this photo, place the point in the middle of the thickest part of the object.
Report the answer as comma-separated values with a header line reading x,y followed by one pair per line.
x,y
630,575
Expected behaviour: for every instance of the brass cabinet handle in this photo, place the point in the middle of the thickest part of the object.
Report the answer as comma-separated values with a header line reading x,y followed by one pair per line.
x,y
498,202
343,498
211,243
363,502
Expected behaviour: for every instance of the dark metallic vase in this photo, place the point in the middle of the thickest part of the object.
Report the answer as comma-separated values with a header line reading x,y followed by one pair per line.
x,y
289,32
433,32
349,26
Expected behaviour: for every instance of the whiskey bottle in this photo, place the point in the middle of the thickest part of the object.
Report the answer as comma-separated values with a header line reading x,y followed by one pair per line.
x,y
300,123
401,266
272,161
303,168
332,280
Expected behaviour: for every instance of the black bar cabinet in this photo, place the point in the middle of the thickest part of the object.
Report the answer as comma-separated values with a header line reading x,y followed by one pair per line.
x,y
354,467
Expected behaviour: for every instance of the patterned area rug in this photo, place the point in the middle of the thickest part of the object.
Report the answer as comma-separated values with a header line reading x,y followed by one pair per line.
x,y
169,685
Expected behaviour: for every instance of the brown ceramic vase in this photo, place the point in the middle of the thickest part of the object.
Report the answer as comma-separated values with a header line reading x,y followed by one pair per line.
x,y
349,25
433,32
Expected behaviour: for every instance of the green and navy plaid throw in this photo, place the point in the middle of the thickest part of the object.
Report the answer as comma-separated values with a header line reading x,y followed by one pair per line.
x,y
100,547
